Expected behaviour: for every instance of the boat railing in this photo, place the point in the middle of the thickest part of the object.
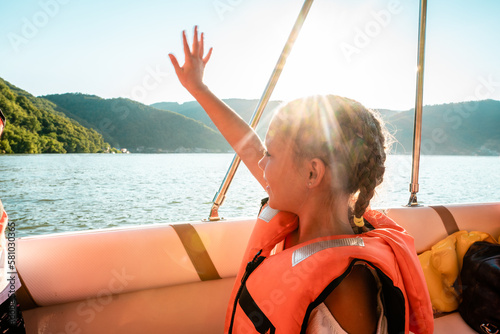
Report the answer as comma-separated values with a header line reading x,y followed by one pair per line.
x,y
417,131
417,124
273,80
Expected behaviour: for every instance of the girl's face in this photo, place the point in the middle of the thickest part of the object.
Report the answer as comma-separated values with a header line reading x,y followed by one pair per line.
x,y
285,174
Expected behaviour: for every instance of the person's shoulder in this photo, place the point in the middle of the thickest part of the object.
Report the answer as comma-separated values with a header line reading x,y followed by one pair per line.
x,y
353,299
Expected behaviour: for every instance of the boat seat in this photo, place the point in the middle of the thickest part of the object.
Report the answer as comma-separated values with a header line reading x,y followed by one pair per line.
x,y
138,279
145,278
429,225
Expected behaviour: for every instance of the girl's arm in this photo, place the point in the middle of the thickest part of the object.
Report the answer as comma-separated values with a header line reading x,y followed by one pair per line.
x,y
237,132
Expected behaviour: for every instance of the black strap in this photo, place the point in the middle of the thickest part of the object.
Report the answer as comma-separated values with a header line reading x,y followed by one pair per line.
x,y
262,203
260,321
196,251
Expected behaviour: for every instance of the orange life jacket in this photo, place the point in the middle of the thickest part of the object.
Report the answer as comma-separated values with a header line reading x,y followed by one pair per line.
x,y
4,219
276,293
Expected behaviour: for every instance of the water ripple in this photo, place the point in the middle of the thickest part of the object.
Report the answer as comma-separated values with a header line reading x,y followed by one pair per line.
x,y
58,193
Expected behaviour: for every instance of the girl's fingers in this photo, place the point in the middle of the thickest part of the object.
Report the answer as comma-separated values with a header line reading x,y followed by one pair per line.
x,y
202,45
198,49
195,41
207,57
175,63
187,52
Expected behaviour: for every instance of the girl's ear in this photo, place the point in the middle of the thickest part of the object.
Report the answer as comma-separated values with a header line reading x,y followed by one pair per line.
x,y
316,169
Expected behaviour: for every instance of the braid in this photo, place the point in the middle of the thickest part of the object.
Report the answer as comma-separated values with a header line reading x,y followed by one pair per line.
x,y
367,184
371,166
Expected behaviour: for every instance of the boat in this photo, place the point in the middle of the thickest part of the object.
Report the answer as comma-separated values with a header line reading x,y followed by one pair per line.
x,y
177,277
174,278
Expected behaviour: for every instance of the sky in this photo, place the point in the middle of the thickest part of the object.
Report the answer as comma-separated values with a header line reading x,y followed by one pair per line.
x,y
365,50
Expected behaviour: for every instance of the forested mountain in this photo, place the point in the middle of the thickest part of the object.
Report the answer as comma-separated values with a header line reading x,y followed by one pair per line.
x,y
245,108
33,126
128,124
81,123
467,128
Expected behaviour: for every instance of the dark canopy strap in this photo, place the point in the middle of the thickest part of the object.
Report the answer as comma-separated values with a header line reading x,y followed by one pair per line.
x,y
448,220
196,251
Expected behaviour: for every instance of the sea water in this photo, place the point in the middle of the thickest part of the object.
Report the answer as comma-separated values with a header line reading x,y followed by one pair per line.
x,y
72,192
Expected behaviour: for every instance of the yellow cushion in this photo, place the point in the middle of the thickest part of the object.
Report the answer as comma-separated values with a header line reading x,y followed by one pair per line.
x,y
442,264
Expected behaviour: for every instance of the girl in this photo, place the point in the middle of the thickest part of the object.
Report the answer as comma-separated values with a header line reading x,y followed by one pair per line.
x,y
318,261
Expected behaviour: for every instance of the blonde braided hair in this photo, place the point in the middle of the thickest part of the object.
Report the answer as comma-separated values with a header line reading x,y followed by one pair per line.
x,y
348,137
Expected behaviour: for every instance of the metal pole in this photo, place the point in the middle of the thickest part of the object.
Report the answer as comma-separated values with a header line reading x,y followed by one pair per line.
x,y
221,194
417,129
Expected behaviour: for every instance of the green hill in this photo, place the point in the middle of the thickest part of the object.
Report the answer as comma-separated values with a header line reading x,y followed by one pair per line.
x,y
466,128
128,124
81,123
245,108
33,126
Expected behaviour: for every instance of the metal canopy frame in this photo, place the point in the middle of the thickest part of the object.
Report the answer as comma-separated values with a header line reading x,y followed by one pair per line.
x,y
417,124
417,131
273,80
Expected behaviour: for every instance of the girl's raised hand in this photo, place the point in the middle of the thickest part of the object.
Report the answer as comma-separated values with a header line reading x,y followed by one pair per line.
x,y
191,73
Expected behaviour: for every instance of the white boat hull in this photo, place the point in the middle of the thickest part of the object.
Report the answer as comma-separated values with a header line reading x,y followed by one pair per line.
x,y
151,279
